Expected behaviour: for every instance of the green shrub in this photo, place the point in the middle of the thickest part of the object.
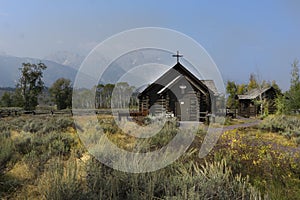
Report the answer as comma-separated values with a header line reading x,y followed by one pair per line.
x,y
210,181
4,126
296,133
164,136
6,151
178,181
38,148
109,126
61,144
61,181
63,123
38,125
17,123
33,125
100,180
288,126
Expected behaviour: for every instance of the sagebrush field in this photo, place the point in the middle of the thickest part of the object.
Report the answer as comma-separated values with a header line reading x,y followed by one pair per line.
x,y
43,158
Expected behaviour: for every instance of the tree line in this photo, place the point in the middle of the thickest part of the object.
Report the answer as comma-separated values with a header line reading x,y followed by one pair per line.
x,y
30,86
103,96
30,91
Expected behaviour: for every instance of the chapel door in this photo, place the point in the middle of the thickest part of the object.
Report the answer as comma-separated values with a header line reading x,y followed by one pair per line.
x,y
185,109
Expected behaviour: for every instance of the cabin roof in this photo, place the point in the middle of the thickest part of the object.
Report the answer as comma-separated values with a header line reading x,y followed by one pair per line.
x,y
176,73
170,84
253,94
211,85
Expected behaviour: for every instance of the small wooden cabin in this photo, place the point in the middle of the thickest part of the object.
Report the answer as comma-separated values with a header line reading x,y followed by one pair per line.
x,y
179,93
249,105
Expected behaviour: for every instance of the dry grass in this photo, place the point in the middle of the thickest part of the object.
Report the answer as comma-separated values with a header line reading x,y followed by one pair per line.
x,y
61,175
21,172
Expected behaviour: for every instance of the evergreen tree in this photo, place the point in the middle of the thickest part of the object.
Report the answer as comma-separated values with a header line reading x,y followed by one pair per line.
x,y
293,95
253,84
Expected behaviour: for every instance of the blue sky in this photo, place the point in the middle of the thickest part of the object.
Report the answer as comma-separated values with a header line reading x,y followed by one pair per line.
x,y
242,37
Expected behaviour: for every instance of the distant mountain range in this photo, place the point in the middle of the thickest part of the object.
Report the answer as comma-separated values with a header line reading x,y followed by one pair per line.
x,y
10,73
67,58
66,64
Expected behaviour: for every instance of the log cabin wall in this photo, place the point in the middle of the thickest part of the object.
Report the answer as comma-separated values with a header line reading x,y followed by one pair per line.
x,y
248,103
179,92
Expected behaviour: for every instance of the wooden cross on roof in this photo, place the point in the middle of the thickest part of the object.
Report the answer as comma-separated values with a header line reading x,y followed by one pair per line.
x,y
177,56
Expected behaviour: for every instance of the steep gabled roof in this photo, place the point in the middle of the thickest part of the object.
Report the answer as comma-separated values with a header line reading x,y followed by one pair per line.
x,y
167,79
211,85
169,85
253,94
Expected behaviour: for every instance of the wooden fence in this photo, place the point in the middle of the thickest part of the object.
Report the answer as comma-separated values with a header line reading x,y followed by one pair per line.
x,y
7,112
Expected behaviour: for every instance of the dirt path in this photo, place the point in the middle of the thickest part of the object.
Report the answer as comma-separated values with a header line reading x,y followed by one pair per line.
x,y
244,125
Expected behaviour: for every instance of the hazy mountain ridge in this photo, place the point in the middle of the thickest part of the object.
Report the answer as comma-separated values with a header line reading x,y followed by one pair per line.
x,y
73,60
10,73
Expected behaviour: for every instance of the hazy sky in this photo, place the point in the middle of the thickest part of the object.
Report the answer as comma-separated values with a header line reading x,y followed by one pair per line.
x,y
241,36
